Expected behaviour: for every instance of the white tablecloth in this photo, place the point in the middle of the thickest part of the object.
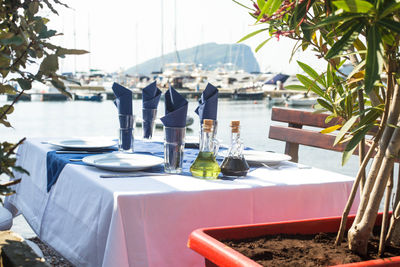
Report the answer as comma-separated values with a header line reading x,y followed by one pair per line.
x,y
146,221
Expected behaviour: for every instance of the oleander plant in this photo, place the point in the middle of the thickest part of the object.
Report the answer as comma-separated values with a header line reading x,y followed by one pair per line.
x,y
25,44
365,34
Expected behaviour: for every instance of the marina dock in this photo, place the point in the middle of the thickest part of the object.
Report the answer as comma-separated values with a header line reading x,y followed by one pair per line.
x,y
137,94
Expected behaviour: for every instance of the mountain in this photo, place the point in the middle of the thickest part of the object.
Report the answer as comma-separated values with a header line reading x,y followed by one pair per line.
x,y
210,55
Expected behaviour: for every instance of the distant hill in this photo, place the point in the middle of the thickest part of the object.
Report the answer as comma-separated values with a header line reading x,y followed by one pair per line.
x,y
210,55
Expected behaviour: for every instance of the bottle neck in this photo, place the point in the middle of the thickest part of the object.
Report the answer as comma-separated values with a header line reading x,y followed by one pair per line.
x,y
235,137
206,142
236,148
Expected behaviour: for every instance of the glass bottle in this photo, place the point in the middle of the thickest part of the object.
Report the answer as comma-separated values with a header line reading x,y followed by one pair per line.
x,y
205,166
235,164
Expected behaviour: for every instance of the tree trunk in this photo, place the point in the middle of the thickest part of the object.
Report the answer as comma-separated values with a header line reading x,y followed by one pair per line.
x,y
393,115
360,232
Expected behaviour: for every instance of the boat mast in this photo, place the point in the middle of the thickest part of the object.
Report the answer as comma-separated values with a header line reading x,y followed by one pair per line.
x,y
136,51
162,36
176,50
74,42
90,47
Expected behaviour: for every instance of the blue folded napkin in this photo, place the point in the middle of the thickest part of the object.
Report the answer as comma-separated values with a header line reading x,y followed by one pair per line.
x,y
176,107
150,98
208,104
123,101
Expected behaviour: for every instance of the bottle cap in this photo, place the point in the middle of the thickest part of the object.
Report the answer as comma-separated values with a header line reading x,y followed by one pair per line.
x,y
207,125
235,126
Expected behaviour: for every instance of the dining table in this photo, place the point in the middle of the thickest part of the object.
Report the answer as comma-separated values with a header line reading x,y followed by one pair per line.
x,y
145,220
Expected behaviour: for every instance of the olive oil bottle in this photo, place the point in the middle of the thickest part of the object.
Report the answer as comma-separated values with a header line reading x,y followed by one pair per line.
x,y
205,166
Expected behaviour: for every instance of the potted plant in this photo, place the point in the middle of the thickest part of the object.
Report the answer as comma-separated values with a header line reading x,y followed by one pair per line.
x,y
365,34
213,242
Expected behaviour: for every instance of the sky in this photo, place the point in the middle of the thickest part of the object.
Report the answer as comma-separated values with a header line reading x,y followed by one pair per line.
x,y
122,33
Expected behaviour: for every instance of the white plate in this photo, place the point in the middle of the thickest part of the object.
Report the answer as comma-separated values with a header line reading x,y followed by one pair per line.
x,y
123,161
254,156
85,143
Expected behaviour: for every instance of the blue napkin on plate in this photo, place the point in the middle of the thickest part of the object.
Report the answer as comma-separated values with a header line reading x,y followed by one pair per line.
x,y
150,98
208,104
123,101
176,107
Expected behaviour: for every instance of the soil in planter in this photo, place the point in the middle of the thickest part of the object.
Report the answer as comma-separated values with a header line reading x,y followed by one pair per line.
x,y
304,250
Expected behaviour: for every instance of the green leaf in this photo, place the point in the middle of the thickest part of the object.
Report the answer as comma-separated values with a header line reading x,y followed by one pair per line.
x,y
299,13
325,104
296,87
343,17
389,10
345,129
262,44
5,123
374,62
390,24
44,34
240,4
25,84
347,39
352,144
260,4
15,40
251,35
34,7
310,85
49,64
64,51
6,89
329,76
355,6
370,117
8,108
273,6
312,73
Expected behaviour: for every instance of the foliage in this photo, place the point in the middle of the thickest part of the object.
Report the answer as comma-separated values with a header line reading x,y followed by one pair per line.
x,y
365,34
24,43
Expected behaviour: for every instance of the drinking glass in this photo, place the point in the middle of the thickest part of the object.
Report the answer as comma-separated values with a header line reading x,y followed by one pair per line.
x,y
174,144
126,133
149,118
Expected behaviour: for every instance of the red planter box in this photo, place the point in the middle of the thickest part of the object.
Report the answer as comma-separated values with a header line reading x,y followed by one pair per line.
x,y
206,242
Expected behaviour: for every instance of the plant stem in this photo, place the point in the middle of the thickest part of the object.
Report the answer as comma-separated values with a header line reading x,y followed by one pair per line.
x,y
385,215
9,107
343,222
15,146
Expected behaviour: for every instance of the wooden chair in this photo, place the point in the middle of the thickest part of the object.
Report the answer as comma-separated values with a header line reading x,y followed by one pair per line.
x,y
294,134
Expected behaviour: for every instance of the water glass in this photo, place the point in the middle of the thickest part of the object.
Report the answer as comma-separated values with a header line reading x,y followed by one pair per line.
x,y
174,144
126,133
149,118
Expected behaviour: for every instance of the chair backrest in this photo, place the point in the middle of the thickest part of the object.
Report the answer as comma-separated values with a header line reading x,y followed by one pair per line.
x,y
294,134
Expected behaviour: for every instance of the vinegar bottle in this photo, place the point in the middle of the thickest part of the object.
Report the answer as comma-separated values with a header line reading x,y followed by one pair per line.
x,y
235,164
205,166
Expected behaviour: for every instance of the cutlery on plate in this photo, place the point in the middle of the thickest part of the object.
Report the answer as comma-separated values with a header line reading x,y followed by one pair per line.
x,y
141,174
80,152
